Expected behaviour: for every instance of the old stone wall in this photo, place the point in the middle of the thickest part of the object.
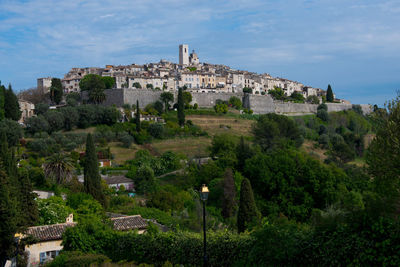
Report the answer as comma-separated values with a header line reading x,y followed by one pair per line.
x,y
260,104
209,99
144,96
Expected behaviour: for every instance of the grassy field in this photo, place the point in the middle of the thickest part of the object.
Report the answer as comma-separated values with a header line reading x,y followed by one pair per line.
x,y
87,130
189,146
309,147
122,154
222,124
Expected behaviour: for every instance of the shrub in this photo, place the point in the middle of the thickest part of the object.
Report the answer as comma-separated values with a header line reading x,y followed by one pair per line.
x,y
221,108
156,130
323,114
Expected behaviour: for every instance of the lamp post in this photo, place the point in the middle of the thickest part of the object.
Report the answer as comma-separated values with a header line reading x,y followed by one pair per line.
x,y
204,196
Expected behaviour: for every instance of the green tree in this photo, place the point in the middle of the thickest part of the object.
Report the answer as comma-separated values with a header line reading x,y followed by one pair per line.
x,y
166,97
136,85
27,204
11,106
92,178
41,108
137,116
187,98
181,108
248,214
277,93
95,86
158,105
145,180
235,102
243,152
8,219
329,94
52,210
247,90
2,101
221,108
55,120
71,117
228,201
273,130
149,86
383,156
37,124
108,82
59,167
297,96
56,90
312,99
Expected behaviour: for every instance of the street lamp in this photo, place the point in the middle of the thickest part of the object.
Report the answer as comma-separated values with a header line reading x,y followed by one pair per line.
x,y
204,196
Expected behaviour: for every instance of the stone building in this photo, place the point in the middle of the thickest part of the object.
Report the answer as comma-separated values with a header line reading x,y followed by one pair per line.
x,y
44,84
184,54
27,110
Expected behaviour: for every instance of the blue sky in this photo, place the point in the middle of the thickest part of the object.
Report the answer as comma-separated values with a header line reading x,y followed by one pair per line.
x,y
353,45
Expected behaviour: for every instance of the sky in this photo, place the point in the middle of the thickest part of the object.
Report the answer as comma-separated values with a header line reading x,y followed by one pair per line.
x,y
352,45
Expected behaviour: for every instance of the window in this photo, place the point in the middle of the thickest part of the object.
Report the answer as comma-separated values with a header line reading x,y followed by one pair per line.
x,y
48,255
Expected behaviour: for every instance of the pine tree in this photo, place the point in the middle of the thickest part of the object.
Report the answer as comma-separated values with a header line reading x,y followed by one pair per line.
x,y
248,214
137,116
2,101
29,213
228,201
92,178
181,108
8,219
11,107
56,91
243,152
329,94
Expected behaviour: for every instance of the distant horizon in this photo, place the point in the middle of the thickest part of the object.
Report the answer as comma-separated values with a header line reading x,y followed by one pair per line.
x,y
352,46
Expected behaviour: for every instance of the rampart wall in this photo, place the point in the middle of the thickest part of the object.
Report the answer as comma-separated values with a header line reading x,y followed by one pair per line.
x,y
260,104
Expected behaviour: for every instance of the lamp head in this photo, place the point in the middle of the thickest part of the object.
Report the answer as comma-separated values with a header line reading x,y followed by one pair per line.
x,y
204,192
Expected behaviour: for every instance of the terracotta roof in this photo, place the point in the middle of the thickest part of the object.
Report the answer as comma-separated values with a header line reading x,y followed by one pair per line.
x,y
129,223
119,179
49,232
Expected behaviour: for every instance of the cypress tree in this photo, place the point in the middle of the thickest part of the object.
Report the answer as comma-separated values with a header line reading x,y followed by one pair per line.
x,y
11,108
92,178
329,94
28,209
137,116
56,91
8,219
181,107
228,201
243,152
2,101
248,214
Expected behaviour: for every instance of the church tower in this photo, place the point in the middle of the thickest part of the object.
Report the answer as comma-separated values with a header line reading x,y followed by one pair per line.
x,y
184,54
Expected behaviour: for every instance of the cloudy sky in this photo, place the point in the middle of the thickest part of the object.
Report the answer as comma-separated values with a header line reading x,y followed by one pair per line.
x,y
353,45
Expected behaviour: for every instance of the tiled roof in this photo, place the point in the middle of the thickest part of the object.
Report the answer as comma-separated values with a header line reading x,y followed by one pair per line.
x,y
129,223
117,179
49,232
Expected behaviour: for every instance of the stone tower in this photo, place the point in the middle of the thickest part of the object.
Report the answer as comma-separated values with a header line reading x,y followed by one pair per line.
x,y
184,54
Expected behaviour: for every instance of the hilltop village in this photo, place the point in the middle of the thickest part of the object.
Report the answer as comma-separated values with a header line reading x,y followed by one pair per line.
x,y
190,72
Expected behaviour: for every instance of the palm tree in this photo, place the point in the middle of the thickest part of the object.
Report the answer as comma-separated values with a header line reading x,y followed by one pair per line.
x,y
59,167
97,96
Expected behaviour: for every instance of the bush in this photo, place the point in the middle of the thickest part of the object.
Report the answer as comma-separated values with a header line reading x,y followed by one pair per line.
x,y
221,108
235,102
156,130
322,106
126,140
75,258
323,114
323,140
